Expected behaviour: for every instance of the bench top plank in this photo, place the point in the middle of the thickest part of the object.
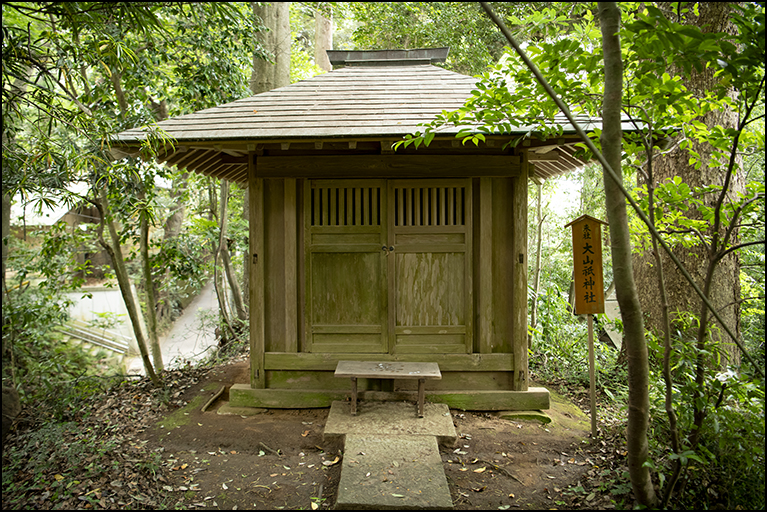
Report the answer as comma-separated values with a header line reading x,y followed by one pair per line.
x,y
389,370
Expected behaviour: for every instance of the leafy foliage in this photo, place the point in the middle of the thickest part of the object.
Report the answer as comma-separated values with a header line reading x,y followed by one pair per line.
x,y
75,74
728,462
386,25
47,370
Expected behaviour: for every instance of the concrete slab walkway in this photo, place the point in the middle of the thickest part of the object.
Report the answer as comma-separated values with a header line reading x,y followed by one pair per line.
x,y
391,457
191,337
392,472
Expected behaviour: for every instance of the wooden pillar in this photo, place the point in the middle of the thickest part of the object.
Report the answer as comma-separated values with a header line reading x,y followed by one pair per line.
x,y
485,267
256,277
519,277
291,266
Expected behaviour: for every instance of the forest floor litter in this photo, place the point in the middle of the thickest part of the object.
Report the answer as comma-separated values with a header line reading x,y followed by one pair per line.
x,y
158,449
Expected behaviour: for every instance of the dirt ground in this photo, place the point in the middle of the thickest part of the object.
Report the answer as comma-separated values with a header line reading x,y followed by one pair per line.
x,y
278,459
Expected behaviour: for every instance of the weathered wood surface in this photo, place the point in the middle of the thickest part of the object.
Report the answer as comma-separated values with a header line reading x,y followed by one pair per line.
x,y
389,166
345,102
519,280
346,297
451,381
366,369
303,361
256,278
388,266
388,370
242,395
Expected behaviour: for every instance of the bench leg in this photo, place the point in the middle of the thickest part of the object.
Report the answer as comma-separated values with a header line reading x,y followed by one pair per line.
x,y
354,396
421,396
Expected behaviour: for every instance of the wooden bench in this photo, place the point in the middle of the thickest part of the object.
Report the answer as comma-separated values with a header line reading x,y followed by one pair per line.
x,y
392,370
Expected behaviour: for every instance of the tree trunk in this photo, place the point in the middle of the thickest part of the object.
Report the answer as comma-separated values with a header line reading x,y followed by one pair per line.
x,y
537,271
270,75
6,233
218,284
151,302
123,280
171,229
666,324
636,347
223,250
725,286
323,38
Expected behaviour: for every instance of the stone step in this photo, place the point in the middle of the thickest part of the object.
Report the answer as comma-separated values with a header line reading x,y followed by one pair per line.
x,y
391,471
394,418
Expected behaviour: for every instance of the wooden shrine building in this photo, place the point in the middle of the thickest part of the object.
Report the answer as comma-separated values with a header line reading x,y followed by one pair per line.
x,y
358,252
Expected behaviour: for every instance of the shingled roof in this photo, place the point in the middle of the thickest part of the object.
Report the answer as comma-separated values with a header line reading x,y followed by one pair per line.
x,y
378,96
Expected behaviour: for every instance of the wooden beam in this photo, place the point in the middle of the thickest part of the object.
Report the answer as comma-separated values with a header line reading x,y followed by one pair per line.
x,y
256,276
229,159
320,361
481,400
549,155
195,159
231,173
388,166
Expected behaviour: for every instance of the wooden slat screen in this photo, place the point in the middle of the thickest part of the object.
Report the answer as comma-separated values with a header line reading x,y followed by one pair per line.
x,y
430,206
346,206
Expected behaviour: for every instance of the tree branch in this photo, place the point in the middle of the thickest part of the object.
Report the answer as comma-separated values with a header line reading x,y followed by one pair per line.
x,y
39,65
736,216
727,251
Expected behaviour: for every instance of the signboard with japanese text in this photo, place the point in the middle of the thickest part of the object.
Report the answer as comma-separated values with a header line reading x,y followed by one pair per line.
x,y
587,259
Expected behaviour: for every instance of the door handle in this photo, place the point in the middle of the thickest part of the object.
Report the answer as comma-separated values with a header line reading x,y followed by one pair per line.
x,y
387,250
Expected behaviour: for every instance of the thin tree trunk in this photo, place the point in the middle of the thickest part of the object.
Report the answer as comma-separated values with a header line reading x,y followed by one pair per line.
x,y
151,302
223,248
6,234
123,280
119,92
537,272
667,345
218,285
119,263
636,347
171,229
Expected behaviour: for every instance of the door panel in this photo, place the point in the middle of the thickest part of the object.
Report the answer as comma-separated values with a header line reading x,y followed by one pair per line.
x,y
430,266
430,289
345,271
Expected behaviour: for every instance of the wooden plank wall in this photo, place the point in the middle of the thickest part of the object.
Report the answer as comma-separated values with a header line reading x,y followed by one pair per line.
x,y
281,265
499,287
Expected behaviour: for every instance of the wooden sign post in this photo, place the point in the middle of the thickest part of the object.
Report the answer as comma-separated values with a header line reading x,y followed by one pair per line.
x,y
589,288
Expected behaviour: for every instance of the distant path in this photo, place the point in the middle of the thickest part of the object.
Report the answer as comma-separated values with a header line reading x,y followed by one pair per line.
x,y
191,337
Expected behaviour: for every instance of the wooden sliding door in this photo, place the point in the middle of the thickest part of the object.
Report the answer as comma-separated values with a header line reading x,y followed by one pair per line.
x,y
346,299
429,268
388,266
